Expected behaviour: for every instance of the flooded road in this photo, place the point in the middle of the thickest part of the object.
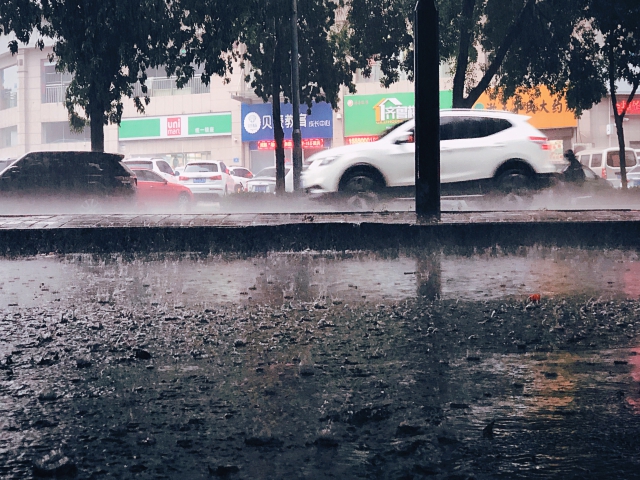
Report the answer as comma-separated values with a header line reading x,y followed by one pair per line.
x,y
405,365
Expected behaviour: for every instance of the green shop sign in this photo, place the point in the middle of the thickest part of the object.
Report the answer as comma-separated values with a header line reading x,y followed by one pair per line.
x,y
372,114
176,126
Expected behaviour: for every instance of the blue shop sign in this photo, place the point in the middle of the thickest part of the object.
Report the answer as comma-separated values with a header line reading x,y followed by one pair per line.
x,y
257,121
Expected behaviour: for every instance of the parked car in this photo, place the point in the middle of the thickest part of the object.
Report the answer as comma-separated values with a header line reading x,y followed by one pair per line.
x,y
265,181
481,151
241,176
605,162
207,178
158,165
156,191
81,181
633,177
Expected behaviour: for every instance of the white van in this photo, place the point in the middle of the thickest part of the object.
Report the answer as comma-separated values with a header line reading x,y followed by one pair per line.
x,y
605,162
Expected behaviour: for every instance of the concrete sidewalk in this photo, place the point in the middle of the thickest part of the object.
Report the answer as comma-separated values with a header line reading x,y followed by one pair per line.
x,y
253,233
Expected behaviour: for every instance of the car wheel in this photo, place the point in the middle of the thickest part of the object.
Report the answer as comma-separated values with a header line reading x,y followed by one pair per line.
x,y
184,202
361,181
516,180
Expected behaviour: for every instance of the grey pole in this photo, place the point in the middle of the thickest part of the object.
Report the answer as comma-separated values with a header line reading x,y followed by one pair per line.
x,y
295,89
427,114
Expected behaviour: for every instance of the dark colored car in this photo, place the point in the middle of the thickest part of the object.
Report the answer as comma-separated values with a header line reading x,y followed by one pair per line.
x,y
80,181
155,191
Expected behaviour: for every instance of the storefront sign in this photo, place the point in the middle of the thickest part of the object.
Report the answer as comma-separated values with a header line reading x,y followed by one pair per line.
x,y
361,139
633,109
257,121
288,144
370,115
545,110
175,126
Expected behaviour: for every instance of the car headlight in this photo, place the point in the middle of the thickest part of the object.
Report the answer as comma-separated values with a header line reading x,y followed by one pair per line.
x,y
327,161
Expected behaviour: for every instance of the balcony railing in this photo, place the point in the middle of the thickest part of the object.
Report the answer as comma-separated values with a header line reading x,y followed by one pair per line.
x,y
8,99
160,87
54,93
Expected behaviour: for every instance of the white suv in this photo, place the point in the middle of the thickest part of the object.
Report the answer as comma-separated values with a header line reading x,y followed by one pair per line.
x,y
480,151
158,165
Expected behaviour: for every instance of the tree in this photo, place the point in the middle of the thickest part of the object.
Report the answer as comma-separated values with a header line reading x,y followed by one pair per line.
x,y
107,47
263,29
502,29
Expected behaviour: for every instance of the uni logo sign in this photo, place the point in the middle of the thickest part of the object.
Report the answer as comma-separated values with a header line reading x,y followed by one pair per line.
x,y
174,127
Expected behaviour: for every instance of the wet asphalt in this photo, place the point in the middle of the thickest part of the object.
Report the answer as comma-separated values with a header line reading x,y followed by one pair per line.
x,y
397,364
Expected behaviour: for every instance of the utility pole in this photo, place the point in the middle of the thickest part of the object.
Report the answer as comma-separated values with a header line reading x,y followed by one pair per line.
x,y
295,89
427,115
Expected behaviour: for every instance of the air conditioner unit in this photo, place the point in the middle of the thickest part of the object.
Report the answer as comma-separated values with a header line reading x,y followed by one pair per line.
x,y
578,147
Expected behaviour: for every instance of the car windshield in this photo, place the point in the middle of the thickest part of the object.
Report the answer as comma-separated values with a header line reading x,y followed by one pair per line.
x,y
391,129
201,167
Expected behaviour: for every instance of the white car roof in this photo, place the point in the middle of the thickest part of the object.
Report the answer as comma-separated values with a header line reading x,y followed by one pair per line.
x,y
480,112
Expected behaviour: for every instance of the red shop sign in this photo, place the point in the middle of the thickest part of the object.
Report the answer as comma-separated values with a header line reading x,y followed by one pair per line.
x,y
288,144
634,107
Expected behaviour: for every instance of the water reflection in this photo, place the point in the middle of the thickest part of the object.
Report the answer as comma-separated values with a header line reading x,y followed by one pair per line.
x,y
311,277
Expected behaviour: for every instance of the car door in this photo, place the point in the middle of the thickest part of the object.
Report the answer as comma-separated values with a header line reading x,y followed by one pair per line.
x,y
154,189
469,148
400,161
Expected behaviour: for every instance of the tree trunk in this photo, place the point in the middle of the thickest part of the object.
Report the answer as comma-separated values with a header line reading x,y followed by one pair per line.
x,y
96,125
462,61
278,132
619,116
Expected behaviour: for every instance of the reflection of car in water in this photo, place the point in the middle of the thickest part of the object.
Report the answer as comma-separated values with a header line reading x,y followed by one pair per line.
x,y
265,181
481,151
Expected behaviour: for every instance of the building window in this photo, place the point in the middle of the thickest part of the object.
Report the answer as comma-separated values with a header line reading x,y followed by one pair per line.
x,y
8,136
60,132
9,90
54,83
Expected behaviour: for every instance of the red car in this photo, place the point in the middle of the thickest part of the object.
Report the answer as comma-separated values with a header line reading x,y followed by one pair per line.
x,y
155,191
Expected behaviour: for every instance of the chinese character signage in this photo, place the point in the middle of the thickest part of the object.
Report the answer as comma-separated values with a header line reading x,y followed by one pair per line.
x,y
370,115
288,144
257,121
545,110
176,126
632,109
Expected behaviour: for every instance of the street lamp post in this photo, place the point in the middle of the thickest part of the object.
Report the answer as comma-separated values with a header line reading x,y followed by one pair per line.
x,y
427,113
295,90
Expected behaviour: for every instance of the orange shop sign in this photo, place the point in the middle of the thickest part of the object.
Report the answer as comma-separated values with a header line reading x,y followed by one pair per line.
x,y
546,110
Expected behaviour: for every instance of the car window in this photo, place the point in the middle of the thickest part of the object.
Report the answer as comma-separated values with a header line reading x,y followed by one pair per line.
x,y
223,167
164,167
473,127
613,159
267,172
390,129
201,167
139,164
148,176
584,160
596,160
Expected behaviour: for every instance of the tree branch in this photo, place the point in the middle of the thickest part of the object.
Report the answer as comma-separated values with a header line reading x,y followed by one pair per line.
x,y
509,39
462,62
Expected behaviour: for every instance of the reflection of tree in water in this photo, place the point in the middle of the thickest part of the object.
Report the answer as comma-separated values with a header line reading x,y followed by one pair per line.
x,y
429,276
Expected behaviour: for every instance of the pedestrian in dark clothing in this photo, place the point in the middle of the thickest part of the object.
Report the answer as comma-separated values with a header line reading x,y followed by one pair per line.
x,y
574,173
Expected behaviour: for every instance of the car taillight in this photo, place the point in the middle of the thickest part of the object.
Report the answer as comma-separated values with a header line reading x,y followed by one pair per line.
x,y
216,177
604,172
226,171
542,141
182,178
